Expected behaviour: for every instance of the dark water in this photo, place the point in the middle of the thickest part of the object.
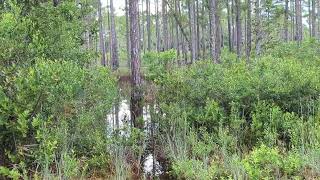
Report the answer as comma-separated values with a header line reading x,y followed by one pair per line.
x,y
119,120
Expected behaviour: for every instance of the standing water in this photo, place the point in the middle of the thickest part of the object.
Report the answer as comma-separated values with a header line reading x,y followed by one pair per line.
x,y
119,121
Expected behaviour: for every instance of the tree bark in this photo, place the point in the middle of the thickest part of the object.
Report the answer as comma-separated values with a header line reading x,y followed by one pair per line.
x,y
142,34
214,35
298,21
238,27
114,41
293,34
177,7
165,26
101,36
313,18
136,91
198,24
248,48
229,26
258,31
148,24
193,30
318,18
203,27
286,19
157,26
128,33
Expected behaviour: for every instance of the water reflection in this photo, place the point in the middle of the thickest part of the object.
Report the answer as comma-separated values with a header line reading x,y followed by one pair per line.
x,y
120,117
119,122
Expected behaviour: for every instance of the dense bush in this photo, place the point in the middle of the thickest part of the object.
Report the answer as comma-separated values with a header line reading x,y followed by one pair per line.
x,y
274,101
47,112
53,102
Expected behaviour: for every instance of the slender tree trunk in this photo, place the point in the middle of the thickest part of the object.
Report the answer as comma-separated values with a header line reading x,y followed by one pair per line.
x,y
298,21
157,26
313,19
286,18
101,36
234,37
165,25
114,41
203,27
198,28
136,91
148,24
248,48
293,22
214,35
128,33
172,39
229,26
177,4
309,18
108,44
258,27
238,27
176,17
142,20
193,30
318,17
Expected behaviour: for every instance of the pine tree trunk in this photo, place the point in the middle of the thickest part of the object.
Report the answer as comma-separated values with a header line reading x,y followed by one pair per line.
x,y
318,18
215,33
193,32
128,33
313,19
229,27
198,29
258,27
136,91
157,26
238,27
286,18
101,36
114,41
298,21
165,26
293,22
309,18
248,48
148,24
203,27
234,37
177,6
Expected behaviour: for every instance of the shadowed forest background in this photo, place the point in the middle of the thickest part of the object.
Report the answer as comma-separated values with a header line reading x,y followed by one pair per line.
x,y
160,89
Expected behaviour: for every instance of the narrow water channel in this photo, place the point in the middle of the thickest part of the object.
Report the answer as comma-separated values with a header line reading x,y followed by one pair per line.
x,y
119,121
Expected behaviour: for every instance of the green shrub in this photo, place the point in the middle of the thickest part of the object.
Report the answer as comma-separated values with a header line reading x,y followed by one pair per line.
x,y
263,163
61,107
192,169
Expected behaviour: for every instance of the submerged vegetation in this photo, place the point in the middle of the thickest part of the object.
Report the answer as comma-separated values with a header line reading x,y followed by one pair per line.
x,y
67,112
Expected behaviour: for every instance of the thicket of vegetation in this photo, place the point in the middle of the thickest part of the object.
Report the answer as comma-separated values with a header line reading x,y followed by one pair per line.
x,y
52,105
239,121
204,103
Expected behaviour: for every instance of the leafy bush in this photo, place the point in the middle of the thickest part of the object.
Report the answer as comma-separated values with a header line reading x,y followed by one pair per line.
x,y
263,162
158,63
270,106
192,169
51,105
